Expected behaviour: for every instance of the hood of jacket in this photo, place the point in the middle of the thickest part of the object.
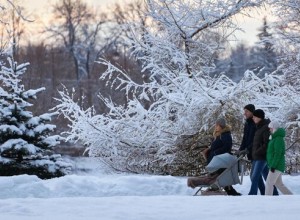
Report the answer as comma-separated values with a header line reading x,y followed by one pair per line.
x,y
224,130
280,132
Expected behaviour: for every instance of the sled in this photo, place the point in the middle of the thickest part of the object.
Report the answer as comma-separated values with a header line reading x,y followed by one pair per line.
x,y
223,170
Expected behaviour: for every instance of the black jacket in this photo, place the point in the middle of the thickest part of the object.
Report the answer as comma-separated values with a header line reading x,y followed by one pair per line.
x,y
221,144
261,140
247,142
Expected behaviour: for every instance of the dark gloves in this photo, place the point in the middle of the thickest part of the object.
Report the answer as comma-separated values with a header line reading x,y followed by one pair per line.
x,y
243,152
272,169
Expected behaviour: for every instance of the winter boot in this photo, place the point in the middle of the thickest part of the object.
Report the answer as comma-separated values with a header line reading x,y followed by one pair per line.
x,y
231,191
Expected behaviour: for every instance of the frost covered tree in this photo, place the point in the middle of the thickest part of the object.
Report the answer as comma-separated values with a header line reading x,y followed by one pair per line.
x,y
263,58
288,42
287,29
77,27
176,50
235,64
11,28
26,143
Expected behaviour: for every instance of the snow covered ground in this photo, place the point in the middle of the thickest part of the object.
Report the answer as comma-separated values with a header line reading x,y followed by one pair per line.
x,y
135,197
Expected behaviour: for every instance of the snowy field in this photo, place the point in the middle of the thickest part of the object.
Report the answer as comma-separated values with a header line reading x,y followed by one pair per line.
x,y
135,197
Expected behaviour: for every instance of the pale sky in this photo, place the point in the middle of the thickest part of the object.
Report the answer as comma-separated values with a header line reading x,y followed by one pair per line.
x,y
251,25
38,4
38,10
42,7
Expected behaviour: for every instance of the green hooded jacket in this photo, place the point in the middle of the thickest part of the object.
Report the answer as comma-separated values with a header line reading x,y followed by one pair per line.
x,y
276,150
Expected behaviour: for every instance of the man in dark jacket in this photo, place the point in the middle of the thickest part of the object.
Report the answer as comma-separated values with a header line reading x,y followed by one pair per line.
x,y
249,131
259,151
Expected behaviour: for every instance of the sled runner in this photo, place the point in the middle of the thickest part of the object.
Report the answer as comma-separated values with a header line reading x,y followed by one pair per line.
x,y
223,170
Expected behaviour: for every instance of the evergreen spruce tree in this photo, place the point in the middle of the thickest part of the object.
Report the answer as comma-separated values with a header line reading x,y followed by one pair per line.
x,y
235,65
238,64
26,143
263,58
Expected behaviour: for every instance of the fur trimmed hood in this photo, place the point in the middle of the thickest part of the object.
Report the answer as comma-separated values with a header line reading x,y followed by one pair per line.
x,y
218,133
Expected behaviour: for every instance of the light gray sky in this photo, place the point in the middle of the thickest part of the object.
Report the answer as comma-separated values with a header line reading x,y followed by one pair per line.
x,y
42,8
44,5
39,11
251,25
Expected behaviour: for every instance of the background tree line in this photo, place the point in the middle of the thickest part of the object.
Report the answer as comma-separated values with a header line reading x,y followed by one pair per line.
x,y
261,58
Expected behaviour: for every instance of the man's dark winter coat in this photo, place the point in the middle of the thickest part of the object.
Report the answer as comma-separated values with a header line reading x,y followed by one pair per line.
x,y
247,142
261,140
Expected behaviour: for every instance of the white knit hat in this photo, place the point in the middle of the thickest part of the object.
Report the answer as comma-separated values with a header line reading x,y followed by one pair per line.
x,y
274,124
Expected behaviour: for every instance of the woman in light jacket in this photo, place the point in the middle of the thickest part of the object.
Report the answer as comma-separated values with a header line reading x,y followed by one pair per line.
x,y
276,160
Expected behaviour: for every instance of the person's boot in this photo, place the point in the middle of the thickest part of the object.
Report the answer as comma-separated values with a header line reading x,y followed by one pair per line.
x,y
234,192
231,191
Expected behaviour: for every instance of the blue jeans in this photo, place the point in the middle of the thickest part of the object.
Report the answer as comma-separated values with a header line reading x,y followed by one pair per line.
x,y
258,171
256,177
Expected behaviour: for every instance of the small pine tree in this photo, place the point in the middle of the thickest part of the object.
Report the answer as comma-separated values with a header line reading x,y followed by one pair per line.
x,y
25,140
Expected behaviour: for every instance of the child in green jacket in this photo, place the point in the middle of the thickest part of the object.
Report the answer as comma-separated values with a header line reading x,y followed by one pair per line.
x,y
276,160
